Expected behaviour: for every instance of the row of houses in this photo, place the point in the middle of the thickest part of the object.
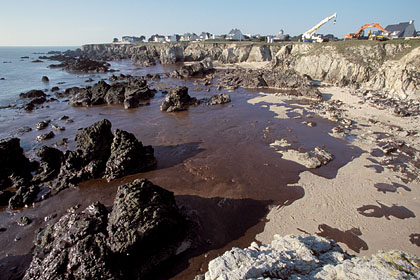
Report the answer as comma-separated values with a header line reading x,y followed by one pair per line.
x,y
234,34
401,30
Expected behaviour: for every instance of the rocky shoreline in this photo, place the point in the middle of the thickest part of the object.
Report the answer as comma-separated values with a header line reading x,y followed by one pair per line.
x,y
102,241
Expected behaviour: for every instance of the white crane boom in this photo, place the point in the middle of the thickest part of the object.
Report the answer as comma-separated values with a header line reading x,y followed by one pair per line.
x,y
308,35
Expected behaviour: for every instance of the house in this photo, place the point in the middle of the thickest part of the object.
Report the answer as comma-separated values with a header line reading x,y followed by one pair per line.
x,y
280,36
189,37
402,30
235,34
131,39
172,38
205,36
157,38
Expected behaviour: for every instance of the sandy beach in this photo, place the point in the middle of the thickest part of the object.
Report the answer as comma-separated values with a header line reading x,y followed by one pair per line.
x,y
368,206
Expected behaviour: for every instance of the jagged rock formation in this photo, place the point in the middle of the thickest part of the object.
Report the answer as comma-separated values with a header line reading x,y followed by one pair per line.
x,y
369,64
309,257
143,229
197,69
177,100
99,153
15,168
129,92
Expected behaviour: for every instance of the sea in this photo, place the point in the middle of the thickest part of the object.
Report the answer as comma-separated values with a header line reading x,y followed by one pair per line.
x,y
19,73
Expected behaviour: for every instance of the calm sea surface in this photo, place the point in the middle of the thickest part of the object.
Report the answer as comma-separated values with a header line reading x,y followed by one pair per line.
x,y
22,74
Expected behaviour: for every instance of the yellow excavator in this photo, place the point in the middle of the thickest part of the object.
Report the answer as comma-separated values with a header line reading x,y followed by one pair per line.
x,y
356,35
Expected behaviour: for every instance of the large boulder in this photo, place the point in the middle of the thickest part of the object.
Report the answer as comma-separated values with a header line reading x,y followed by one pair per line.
x,y
50,163
309,257
73,248
145,224
99,154
115,94
177,100
89,96
196,69
143,230
13,163
33,94
128,156
171,55
136,91
86,66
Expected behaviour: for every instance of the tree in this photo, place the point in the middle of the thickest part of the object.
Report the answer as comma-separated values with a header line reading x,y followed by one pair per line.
x,y
115,40
142,38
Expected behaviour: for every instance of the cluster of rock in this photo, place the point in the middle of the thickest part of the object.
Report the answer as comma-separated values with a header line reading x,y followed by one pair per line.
x,y
309,257
129,92
143,229
178,99
36,97
194,70
289,80
101,154
98,154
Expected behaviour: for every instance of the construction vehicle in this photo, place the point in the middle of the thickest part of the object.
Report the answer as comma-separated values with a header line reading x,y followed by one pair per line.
x,y
359,32
309,36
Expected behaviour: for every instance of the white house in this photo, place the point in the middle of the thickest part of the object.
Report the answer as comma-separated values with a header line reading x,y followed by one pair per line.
x,y
189,37
235,34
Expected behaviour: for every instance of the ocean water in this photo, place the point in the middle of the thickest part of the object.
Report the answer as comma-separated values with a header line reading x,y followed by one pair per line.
x,y
21,74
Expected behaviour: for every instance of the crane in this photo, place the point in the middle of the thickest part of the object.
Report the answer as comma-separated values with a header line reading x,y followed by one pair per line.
x,y
359,32
308,36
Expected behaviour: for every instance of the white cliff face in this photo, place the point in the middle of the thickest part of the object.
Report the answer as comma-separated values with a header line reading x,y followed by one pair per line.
x,y
366,64
309,257
401,77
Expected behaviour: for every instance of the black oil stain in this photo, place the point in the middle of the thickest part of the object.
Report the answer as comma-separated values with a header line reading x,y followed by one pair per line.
x,y
382,210
349,237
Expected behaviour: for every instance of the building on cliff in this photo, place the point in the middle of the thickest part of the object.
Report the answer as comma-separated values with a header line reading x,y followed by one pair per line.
x,y
235,34
402,30
132,39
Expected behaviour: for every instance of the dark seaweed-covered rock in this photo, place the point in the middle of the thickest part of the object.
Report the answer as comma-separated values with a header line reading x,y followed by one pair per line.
x,y
45,79
145,224
45,136
177,100
24,196
87,66
14,166
136,91
42,124
115,94
128,156
219,99
33,94
68,92
4,197
73,248
89,96
197,69
144,229
50,163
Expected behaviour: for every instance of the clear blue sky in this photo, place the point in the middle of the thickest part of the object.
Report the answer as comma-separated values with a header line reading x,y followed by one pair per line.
x,y
77,22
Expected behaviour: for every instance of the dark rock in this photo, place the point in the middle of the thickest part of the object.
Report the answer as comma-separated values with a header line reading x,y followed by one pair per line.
x,y
57,127
89,80
13,162
45,79
135,92
99,91
54,89
42,124
73,248
63,118
144,229
45,136
62,142
24,196
33,94
68,92
24,57
128,156
2,79
145,224
219,99
37,61
177,100
4,197
197,69
24,221
51,160
35,101
87,66
23,130
115,94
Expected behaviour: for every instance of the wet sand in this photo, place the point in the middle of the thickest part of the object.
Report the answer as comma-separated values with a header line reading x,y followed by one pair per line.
x,y
216,159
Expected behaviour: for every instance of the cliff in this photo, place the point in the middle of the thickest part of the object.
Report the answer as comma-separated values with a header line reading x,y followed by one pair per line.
x,y
387,66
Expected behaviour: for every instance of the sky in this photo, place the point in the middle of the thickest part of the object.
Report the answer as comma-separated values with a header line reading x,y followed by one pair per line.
x,y
78,22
